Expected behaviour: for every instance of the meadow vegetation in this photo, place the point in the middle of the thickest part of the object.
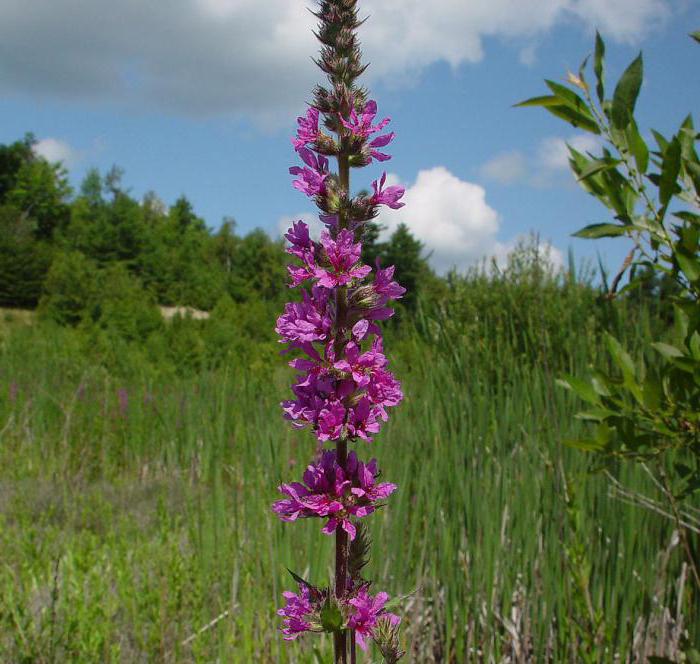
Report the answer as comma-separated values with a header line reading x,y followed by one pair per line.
x,y
137,460
138,453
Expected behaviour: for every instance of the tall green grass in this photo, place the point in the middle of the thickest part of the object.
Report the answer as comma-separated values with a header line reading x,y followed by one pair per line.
x,y
135,520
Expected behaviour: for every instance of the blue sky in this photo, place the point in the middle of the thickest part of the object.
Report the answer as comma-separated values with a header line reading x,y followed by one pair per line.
x,y
199,97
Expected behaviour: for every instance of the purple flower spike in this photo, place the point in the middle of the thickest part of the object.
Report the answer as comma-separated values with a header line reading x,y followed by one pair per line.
x,y
389,196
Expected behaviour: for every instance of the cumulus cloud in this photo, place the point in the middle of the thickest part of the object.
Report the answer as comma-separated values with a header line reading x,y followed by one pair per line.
x,y
450,216
54,149
248,57
544,166
506,168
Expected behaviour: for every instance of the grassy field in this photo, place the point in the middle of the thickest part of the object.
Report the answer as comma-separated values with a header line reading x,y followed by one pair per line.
x,y
135,521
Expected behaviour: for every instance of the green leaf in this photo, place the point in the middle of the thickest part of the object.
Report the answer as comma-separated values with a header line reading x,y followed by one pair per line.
x,y
696,35
302,582
548,100
596,166
660,140
599,66
569,97
600,384
574,117
638,147
620,357
689,264
689,217
651,393
669,171
595,231
581,388
667,350
626,93
595,415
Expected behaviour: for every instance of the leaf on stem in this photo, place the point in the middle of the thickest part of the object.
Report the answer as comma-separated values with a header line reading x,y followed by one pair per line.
x,y
626,93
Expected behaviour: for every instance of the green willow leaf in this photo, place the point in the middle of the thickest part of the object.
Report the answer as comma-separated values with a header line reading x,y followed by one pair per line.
x,y
669,171
545,100
595,231
689,264
599,66
638,147
596,166
573,117
626,93
580,387
569,98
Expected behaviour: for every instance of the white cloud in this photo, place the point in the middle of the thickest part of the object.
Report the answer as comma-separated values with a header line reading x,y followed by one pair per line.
x,y
253,58
553,152
544,167
506,168
54,149
450,216
624,20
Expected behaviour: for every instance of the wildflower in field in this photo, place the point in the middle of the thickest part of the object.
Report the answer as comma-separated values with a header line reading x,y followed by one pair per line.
x,y
343,387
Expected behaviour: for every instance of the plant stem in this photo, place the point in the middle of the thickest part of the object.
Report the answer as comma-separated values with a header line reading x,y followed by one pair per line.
x,y
341,537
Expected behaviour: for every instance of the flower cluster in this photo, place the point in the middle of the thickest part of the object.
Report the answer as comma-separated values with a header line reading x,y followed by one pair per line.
x,y
358,611
343,387
342,391
335,493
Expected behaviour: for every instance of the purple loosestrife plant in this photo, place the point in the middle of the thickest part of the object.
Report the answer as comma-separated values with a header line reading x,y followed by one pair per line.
x,y
343,389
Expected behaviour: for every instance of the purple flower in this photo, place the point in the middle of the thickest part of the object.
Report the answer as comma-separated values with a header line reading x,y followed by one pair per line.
x,y
307,131
343,255
332,492
300,240
389,196
380,142
312,177
384,286
300,611
367,611
361,126
306,321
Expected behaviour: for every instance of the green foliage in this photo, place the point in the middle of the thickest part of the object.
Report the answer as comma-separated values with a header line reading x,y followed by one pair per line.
x,y
70,288
646,405
23,261
137,479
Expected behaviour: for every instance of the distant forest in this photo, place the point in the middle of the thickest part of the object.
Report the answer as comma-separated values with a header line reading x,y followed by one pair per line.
x,y
57,244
